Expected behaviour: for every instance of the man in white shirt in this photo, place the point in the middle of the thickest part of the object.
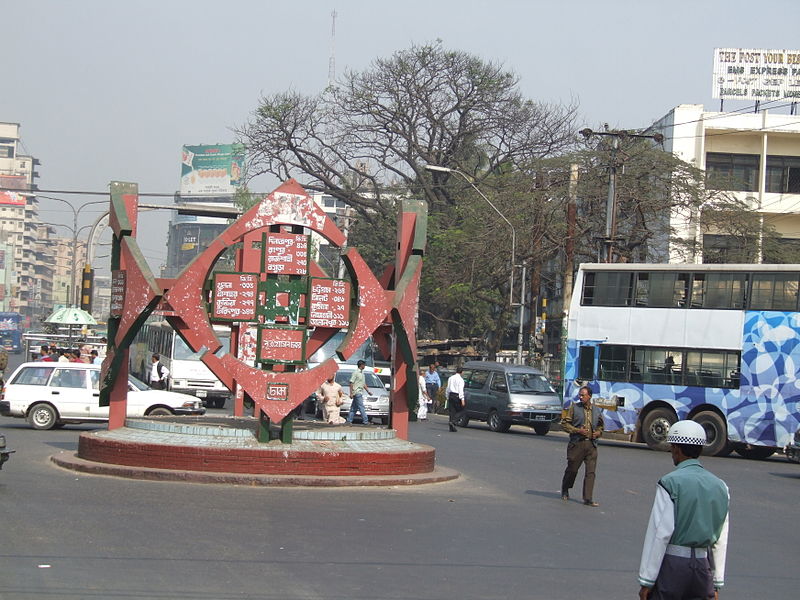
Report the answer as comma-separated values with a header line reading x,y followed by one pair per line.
x,y
455,397
158,374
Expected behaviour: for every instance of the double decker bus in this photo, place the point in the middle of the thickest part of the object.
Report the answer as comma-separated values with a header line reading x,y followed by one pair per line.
x,y
187,373
11,332
719,344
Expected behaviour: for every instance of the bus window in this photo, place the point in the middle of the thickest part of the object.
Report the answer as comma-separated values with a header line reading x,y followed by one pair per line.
x,y
773,291
607,289
586,363
613,362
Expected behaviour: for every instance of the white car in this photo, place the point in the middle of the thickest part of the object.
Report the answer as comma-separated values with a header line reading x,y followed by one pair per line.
x,y
51,394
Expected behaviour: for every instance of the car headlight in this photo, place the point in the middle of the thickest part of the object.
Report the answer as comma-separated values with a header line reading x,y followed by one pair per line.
x,y
191,404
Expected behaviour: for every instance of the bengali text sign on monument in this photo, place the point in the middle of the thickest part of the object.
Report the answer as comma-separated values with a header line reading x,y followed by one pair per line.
x,y
117,292
329,304
287,253
234,297
281,345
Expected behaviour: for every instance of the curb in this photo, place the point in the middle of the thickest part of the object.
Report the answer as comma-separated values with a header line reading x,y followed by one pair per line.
x,y
74,463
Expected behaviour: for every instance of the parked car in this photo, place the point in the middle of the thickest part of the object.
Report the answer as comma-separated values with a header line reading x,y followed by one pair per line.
x,y
793,450
504,394
376,401
51,394
4,452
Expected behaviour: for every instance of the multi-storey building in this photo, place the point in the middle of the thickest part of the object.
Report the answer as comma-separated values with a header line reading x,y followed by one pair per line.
x,y
22,258
754,156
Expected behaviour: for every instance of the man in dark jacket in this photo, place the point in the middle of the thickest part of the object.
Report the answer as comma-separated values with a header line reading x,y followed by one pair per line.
x,y
584,424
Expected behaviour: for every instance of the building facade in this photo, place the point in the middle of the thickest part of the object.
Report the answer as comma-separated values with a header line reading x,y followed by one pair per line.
x,y
753,156
23,259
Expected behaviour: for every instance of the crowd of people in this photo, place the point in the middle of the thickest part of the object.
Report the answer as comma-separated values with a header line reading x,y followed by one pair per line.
x,y
84,354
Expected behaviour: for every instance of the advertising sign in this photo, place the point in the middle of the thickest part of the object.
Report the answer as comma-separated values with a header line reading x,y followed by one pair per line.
x,y
211,170
755,74
233,297
287,253
330,303
117,292
281,345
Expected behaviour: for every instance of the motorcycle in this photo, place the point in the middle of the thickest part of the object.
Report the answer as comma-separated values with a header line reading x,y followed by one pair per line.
x,y
4,452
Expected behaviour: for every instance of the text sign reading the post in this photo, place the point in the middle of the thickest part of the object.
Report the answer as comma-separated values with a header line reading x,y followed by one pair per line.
x,y
329,303
281,345
117,292
287,253
234,297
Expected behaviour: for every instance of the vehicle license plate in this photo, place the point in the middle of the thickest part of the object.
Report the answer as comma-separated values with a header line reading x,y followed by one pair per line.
x,y
201,393
540,418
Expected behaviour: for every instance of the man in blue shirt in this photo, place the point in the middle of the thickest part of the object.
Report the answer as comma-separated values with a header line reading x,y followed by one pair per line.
x,y
432,385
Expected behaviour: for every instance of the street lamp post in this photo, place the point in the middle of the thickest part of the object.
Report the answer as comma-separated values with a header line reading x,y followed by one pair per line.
x,y
511,302
73,292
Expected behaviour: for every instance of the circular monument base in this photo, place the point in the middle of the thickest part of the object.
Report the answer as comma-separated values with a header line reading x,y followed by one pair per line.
x,y
226,450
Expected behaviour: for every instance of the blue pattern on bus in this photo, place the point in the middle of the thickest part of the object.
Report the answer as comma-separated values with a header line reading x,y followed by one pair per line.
x,y
763,411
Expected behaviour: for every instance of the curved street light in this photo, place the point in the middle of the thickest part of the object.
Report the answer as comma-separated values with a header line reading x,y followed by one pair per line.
x,y
73,292
521,304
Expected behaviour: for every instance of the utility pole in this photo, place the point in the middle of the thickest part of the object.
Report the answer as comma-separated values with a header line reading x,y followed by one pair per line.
x,y
611,203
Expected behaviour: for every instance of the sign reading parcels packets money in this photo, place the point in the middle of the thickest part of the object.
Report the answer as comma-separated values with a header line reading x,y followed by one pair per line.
x,y
234,297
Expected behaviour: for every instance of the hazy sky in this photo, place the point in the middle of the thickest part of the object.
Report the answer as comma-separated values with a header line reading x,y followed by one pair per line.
x,y
111,90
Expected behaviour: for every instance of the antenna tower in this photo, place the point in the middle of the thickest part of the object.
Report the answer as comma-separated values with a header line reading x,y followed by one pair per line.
x,y
332,60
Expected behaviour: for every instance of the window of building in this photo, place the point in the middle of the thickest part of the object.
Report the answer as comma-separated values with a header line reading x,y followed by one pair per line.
x,y
783,174
328,201
734,172
607,289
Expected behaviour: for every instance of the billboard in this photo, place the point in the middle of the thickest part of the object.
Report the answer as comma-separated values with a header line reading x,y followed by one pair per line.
x,y
211,170
13,182
756,74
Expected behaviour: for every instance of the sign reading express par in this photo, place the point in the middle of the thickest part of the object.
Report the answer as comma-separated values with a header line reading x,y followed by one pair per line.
x,y
330,303
234,297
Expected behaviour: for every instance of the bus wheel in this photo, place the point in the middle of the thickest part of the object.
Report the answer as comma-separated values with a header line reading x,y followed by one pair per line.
x,y
655,426
716,433
755,452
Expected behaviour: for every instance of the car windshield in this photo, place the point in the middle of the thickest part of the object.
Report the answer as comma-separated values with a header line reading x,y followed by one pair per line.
x,y
529,383
138,384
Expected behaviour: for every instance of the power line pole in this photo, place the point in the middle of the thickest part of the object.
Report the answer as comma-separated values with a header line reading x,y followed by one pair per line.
x,y
611,202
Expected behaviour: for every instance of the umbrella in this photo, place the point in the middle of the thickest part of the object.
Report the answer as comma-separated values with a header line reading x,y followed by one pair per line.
x,y
70,316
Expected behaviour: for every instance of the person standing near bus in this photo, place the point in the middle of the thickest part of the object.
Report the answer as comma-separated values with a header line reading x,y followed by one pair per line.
x,y
584,425
686,543
158,374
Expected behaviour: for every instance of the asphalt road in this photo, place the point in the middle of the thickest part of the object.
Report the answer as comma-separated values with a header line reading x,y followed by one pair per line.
x,y
500,531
